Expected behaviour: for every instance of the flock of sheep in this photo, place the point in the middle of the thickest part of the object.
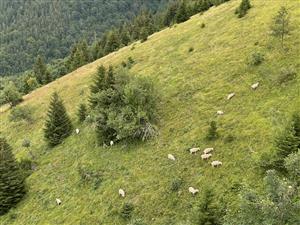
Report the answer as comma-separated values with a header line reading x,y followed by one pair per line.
x,y
207,152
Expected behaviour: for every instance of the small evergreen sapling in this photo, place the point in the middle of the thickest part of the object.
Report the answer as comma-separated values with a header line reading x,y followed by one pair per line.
x,y
212,131
12,188
243,8
82,112
58,124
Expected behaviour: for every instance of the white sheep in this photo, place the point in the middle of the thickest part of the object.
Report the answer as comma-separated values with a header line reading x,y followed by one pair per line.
x,y
194,150
220,113
122,193
193,190
77,131
171,157
206,156
208,150
111,143
58,201
254,86
230,96
216,163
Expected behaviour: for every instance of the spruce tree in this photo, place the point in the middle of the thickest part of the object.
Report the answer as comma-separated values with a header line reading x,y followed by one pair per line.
x,y
97,86
243,8
207,212
12,188
286,144
212,131
296,126
40,71
58,124
82,112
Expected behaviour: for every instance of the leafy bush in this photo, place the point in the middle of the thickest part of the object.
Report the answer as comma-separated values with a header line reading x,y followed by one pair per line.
x,y
176,184
26,166
88,176
202,25
126,211
191,49
26,143
256,59
11,94
286,74
21,113
243,8
124,107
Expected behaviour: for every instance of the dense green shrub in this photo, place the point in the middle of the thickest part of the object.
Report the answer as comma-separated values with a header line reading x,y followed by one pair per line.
x,y
124,107
20,113
26,143
176,184
89,176
127,210
256,59
11,94
191,49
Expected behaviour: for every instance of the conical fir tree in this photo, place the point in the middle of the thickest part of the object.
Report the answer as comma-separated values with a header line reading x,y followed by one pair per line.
x,y
12,188
97,86
58,125
82,112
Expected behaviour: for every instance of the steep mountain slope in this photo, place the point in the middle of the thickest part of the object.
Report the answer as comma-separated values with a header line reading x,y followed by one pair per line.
x,y
193,86
49,28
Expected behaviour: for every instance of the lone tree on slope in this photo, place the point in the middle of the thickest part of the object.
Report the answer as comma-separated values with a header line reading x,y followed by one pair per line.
x,y
58,125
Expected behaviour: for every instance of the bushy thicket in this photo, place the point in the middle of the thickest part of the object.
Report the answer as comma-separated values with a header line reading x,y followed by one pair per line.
x,y
21,113
124,107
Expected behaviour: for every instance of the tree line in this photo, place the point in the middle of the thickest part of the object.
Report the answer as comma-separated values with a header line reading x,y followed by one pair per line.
x,y
139,28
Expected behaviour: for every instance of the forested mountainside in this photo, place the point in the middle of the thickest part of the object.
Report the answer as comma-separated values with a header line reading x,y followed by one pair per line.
x,y
196,124
49,28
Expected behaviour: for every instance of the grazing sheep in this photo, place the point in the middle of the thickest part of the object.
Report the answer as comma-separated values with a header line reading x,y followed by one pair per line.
x,y
111,143
230,96
58,201
254,86
216,163
171,157
193,190
194,150
220,113
208,150
77,131
122,193
206,156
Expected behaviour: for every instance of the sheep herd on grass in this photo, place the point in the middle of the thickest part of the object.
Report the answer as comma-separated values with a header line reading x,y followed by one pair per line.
x,y
207,152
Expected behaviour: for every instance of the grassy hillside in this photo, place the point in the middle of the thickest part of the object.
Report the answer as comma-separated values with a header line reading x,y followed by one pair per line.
x,y
193,86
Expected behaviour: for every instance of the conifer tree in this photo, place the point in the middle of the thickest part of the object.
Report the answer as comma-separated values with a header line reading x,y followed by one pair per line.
x,y
212,131
97,86
280,27
82,112
58,124
296,126
286,144
182,14
207,212
40,71
12,188
243,8
113,42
